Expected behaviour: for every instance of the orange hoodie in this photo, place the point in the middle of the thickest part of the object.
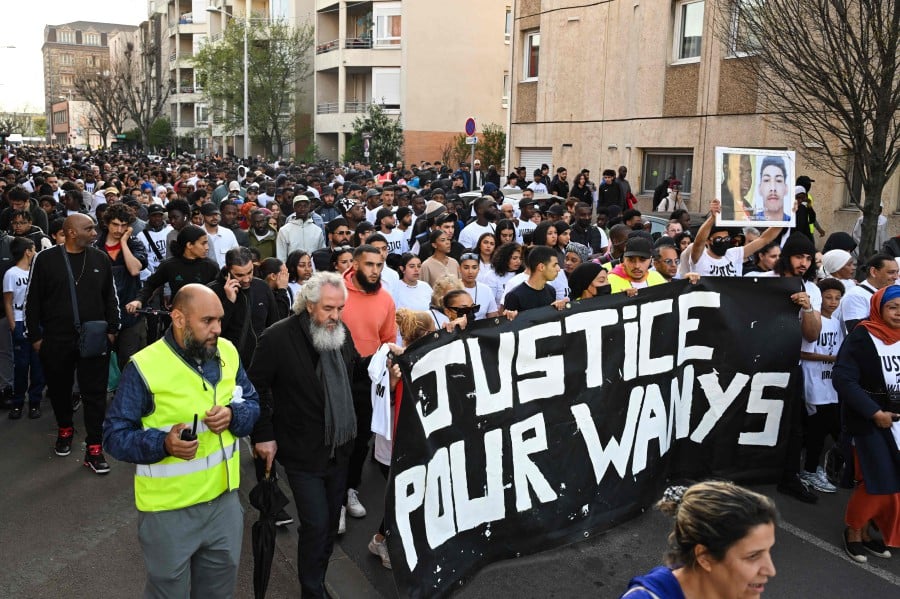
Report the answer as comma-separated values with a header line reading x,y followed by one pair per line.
x,y
371,317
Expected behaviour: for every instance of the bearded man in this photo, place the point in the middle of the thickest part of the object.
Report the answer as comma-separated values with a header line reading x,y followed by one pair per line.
x,y
303,369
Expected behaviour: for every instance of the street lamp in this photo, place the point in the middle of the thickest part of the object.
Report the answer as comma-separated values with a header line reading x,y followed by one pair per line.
x,y
246,76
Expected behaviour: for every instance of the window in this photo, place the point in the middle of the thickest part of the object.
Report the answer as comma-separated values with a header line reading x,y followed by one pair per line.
x,y
66,36
386,88
532,54
66,79
662,164
507,30
854,189
91,39
688,30
66,60
504,100
387,25
201,113
744,28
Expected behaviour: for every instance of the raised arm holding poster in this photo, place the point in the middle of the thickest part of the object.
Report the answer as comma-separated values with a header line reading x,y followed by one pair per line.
x,y
515,437
754,186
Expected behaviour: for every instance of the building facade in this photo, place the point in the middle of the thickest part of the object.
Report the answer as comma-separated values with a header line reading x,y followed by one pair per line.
x,y
647,85
71,50
432,63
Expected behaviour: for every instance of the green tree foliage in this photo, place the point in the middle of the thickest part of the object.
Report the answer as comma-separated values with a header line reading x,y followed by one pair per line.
x,y
386,143
280,62
490,149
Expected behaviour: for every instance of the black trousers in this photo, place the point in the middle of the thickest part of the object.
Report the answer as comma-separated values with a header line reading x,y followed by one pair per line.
x,y
795,423
61,361
362,402
826,421
319,497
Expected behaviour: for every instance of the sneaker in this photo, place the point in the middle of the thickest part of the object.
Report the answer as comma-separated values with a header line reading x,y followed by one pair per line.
x,y
64,440
855,550
876,548
76,402
811,479
15,413
824,485
283,518
797,488
379,549
342,523
34,413
354,507
93,458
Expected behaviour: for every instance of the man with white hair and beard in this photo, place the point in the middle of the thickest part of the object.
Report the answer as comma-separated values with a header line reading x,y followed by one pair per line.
x,y
303,369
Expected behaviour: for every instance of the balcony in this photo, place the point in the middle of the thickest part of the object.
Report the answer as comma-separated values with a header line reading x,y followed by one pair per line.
x,y
327,47
327,108
358,43
356,107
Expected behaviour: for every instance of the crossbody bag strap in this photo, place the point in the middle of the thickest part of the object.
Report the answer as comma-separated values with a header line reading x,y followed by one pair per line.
x,y
152,245
72,286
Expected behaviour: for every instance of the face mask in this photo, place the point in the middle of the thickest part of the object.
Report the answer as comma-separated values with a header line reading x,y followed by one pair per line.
x,y
603,290
637,227
719,246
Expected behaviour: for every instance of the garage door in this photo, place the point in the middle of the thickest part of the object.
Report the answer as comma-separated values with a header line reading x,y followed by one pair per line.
x,y
533,158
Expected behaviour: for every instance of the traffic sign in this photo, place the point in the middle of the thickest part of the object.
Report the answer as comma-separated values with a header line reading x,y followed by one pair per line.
x,y
471,140
470,127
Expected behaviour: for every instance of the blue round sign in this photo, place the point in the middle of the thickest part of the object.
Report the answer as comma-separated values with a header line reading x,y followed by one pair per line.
x,y
470,126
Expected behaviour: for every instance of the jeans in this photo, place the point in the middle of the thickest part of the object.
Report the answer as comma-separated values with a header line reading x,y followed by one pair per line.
x,y
319,497
60,360
27,364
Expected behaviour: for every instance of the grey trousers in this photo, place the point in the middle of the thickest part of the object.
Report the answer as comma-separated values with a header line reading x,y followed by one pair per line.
x,y
195,551
6,355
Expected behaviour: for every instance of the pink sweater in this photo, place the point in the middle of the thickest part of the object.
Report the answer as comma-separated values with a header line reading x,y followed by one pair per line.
x,y
369,316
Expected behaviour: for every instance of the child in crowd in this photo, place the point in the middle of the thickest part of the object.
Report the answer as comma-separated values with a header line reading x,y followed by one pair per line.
x,y
817,359
25,359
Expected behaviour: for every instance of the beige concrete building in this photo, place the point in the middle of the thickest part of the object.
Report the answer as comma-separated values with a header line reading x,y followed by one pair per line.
x,y
70,49
645,84
430,62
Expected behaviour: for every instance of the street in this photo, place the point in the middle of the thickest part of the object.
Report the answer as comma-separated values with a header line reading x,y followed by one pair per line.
x,y
69,532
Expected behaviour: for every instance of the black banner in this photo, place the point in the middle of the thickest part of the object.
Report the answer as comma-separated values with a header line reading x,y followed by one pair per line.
x,y
516,437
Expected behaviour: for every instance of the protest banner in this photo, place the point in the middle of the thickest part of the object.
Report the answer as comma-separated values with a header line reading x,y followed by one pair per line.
x,y
756,187
514,437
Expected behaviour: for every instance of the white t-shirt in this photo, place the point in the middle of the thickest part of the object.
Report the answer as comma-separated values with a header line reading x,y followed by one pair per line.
x,y
159,241
889,354
524,226
220,242
15,281
468,237
729,265
497,284
389,280
512,283
817,375
483,296
414,298
485,273
398,242
855,304
537,187
561,285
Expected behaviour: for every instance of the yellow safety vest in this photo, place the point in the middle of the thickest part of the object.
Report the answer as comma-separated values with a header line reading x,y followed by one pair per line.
x,y
180,391
619,284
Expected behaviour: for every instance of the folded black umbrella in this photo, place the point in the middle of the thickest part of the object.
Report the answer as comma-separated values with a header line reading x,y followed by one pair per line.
x,y
269,500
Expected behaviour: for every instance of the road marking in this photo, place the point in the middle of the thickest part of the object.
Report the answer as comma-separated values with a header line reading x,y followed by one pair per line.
x,y
839,552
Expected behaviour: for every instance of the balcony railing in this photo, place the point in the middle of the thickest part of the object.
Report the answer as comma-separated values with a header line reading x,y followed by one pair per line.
x,y
173,56
327,108
327,47
358,43
354,106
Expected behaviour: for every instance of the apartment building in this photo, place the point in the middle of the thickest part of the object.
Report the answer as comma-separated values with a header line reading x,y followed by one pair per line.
x,y
430,62
69,50
645,84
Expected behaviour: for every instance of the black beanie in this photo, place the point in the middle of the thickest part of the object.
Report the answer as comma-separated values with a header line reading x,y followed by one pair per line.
x,y
798,244
581,278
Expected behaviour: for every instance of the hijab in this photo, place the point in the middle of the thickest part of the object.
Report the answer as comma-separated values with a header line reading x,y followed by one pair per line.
x,y
875,324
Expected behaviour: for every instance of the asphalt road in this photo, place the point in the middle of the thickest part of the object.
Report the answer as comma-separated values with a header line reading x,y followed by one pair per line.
x,y
68,532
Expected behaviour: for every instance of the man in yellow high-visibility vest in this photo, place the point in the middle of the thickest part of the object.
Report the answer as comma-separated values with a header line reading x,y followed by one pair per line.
x,y
191,523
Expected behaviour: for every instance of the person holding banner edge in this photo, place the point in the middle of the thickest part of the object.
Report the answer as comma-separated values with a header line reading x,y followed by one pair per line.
x,y
712,254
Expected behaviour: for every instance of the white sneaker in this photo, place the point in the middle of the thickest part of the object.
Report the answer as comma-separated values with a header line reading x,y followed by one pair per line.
x,y
342,523
354,507
826,486
812,479
379,549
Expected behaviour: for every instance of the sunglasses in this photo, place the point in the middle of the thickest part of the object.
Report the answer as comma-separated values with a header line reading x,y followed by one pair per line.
x,y
465,310
470,256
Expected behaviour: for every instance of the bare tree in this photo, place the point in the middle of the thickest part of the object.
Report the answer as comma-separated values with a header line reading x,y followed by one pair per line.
x,y
827,73
102,91
143,97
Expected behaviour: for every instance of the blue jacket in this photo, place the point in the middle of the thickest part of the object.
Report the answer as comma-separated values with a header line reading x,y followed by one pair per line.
x,y
125,439
659,581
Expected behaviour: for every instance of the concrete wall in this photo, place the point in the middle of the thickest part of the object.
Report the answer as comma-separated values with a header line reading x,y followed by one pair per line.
x,y
607,92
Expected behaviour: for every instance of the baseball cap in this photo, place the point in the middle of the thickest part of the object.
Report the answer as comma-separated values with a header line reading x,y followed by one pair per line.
x,y
638,247
155,209
234,186
799,189
373,192
301,198
110,190
208,209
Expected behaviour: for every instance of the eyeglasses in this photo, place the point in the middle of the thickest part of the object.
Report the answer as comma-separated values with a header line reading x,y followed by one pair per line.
x,y
726,239
342,248
465,310
672,262
470,256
